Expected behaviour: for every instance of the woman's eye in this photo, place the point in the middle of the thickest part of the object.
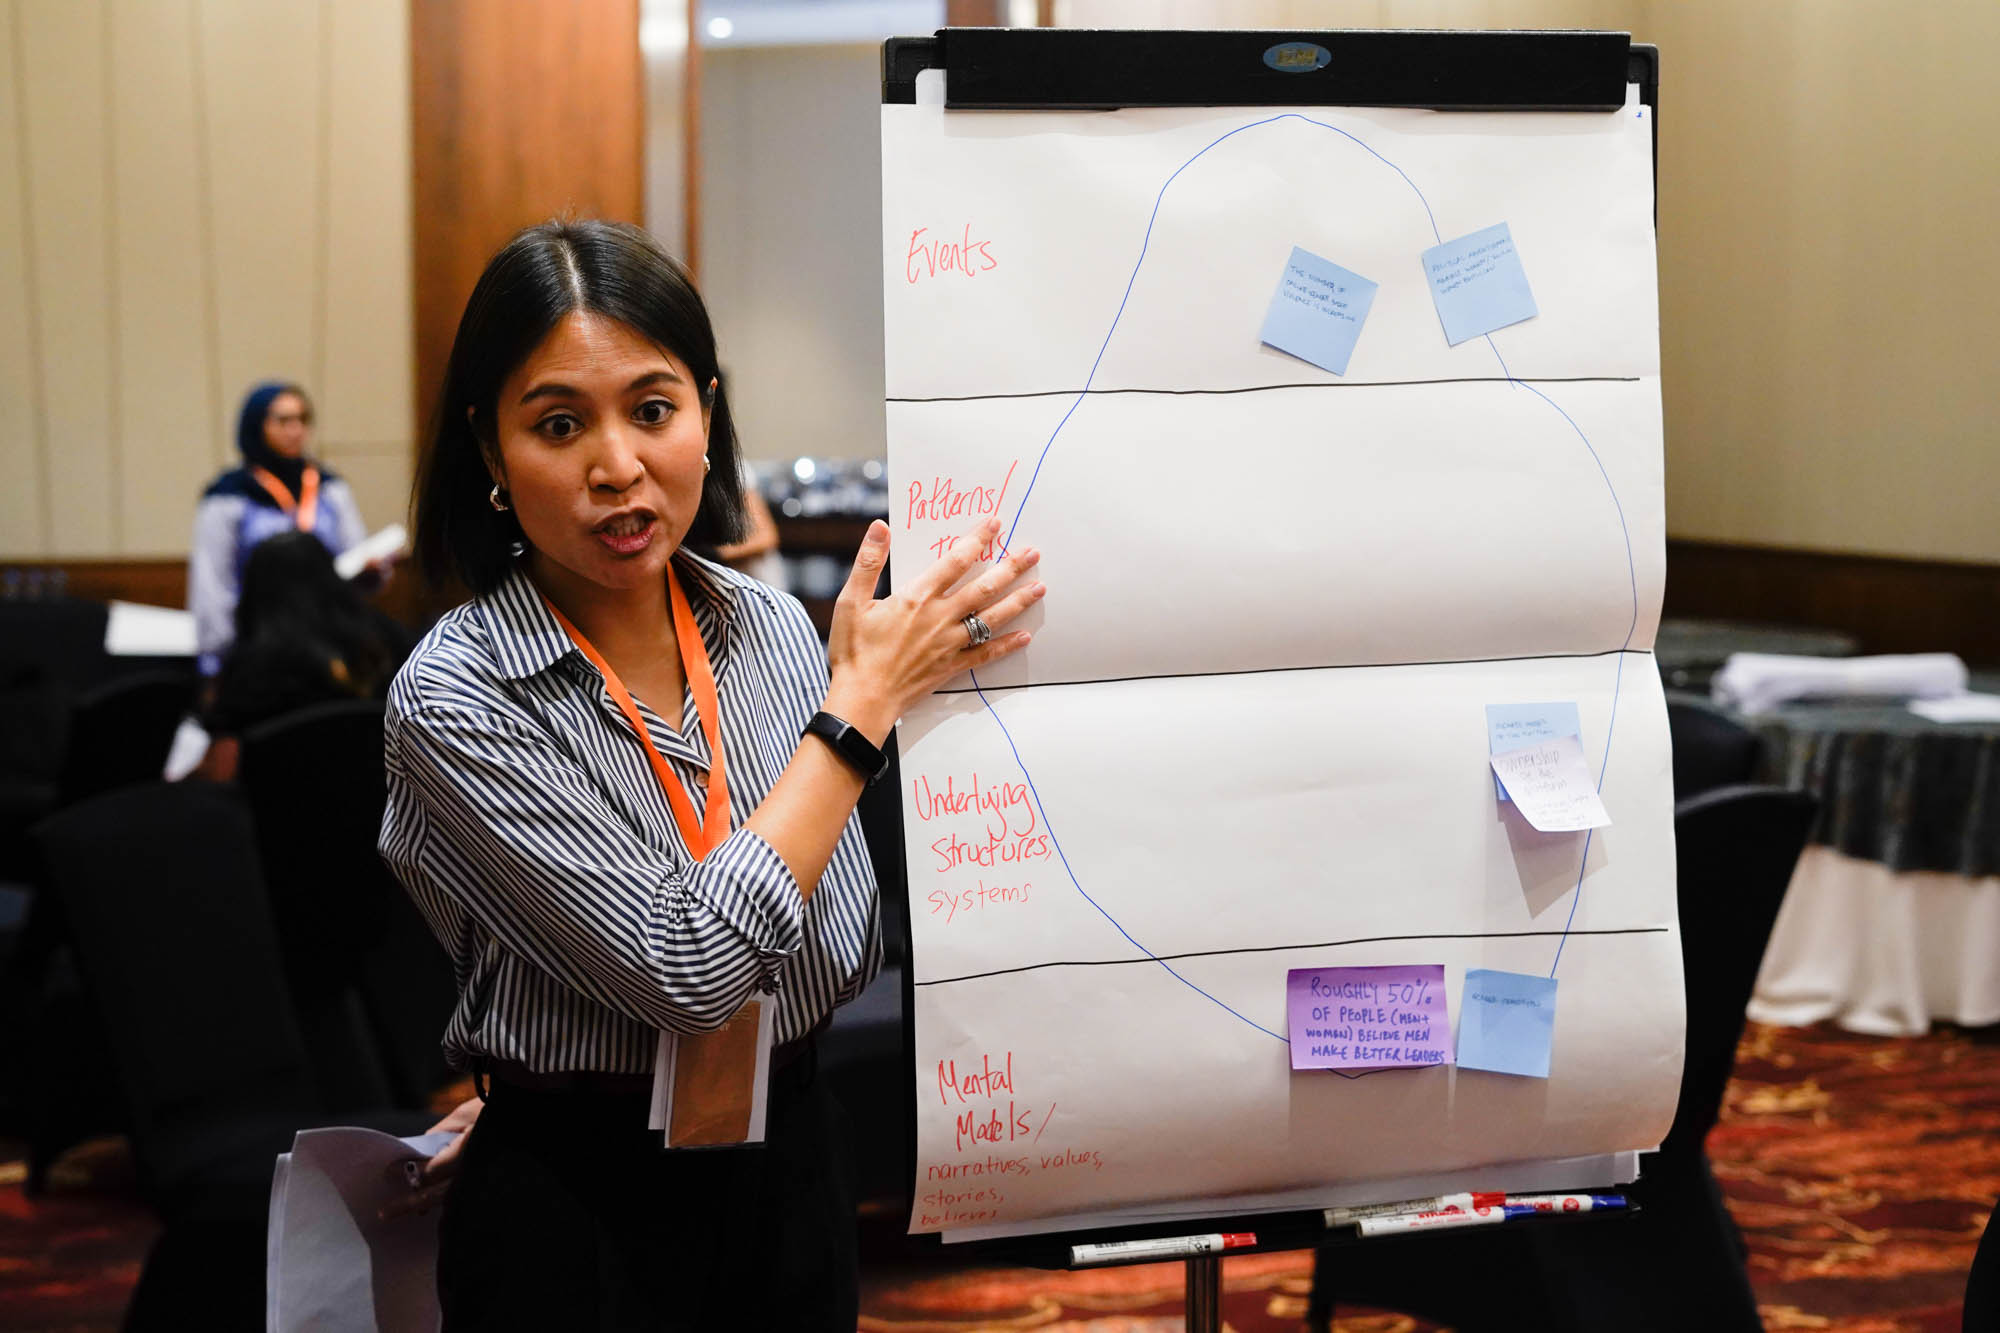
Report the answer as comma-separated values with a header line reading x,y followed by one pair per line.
x,y
653,412
560,426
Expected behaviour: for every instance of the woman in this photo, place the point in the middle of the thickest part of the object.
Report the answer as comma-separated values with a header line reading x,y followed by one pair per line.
x,y
304,635
278,489
621,789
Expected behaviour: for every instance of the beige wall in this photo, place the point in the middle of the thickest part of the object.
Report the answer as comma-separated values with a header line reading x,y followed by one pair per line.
x,y
1829,183
791,223
195,195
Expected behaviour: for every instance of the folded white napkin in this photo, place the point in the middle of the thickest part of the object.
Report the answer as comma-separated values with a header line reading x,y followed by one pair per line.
x,y
1759,682
1959,708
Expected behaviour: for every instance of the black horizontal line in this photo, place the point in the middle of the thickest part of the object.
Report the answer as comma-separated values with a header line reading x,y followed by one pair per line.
x,y
1283,948
1270,671
1267,388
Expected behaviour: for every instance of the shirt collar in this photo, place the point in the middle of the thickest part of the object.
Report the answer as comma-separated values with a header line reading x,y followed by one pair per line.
x,y
528,639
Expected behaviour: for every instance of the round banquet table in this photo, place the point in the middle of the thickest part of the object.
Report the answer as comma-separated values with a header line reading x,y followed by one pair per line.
x,y
1893,915
1689,652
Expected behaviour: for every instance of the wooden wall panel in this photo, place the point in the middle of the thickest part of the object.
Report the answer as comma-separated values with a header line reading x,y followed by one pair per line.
x,y
63,87
519,111
673,115
1889,605
23,511
164,413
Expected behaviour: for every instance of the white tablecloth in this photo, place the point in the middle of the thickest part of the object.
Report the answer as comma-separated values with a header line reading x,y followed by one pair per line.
x,y
1881,952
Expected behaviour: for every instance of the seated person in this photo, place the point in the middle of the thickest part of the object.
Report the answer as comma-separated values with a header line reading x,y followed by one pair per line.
x,y
304,635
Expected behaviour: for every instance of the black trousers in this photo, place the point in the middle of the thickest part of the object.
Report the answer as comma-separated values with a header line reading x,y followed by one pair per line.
x,y
567,1214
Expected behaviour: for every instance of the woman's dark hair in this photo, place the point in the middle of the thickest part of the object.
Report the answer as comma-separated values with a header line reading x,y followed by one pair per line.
x,y
303,635
545,273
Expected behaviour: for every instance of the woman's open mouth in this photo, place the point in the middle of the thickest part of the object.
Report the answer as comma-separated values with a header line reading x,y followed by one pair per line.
x,y
628,534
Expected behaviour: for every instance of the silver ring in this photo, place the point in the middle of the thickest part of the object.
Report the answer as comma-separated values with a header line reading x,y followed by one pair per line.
x,y
977,630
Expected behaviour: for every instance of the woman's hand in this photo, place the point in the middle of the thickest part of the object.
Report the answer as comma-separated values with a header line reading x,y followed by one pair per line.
x,y
433,1177
884,655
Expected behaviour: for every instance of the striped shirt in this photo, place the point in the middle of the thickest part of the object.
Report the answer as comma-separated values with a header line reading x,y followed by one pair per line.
x,y
527,824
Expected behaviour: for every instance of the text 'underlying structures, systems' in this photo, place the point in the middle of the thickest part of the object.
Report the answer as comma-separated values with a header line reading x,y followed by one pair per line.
x,y
1368,1017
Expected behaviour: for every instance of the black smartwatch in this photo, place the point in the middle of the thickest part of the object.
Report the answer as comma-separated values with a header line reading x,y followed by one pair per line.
x,y
860,752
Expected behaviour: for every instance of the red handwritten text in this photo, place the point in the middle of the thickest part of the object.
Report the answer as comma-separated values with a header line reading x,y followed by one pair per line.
x,y
986,1081
1004,805
953,851
991,1127
927,259
943,500
965,900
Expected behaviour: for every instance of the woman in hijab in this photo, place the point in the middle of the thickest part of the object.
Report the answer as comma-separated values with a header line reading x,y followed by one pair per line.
x,y
278,489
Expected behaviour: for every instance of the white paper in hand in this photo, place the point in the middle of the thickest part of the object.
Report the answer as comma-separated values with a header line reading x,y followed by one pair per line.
x,y
1551,786
392,540
334,1266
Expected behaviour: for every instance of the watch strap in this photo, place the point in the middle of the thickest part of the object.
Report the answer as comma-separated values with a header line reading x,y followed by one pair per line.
x,y
862,754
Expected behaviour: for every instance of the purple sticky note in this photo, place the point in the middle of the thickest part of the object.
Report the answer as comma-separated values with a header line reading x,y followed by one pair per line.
x,y
1368,1017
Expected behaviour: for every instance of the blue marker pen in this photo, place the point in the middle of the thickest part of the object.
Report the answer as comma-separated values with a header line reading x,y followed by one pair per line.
x,y
1566,1203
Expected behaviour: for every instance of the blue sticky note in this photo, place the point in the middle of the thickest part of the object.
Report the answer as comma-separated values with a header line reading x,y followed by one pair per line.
x,y
1511,726
1317,311
1478,284
1506,1022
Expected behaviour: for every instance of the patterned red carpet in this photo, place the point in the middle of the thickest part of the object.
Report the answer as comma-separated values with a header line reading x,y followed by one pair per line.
x,y
1861,1170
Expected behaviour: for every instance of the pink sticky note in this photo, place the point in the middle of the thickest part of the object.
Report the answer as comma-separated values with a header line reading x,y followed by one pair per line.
x,y
1368,1017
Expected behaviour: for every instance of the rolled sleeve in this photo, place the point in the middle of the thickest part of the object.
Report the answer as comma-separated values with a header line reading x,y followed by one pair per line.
x,y
747,886
555,872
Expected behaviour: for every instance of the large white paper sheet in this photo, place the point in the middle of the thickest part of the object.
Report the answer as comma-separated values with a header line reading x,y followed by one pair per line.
x,y
1250,733
1062,201
1302,527
1101,939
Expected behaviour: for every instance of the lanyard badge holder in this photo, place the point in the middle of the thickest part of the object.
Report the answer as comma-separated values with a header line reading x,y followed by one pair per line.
x,y
710,1089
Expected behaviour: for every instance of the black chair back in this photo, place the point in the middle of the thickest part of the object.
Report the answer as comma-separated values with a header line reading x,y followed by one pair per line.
x,y
120,733
161,892
358,951
161,888
1737,847
1982,1284
1711,749
60,638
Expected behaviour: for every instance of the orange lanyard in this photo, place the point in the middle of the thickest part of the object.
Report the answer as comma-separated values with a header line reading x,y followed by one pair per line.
x,y
705,834
305,508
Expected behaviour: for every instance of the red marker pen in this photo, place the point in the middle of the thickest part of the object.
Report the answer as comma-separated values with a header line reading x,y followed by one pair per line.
x,y
1166,1247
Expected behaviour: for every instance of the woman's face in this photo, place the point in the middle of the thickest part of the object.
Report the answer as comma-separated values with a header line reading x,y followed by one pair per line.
x,y
601,437
287,425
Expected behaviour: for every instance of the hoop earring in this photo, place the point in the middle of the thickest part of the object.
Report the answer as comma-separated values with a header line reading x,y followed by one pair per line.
x,y
493,498
705,465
